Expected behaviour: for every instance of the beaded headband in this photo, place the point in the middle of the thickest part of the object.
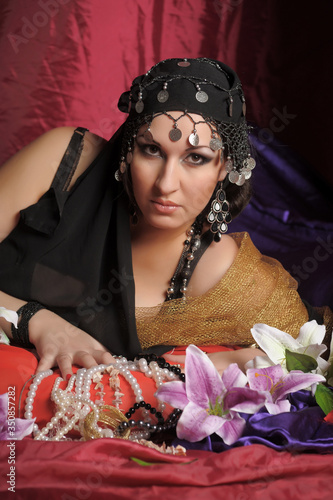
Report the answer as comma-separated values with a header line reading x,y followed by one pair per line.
x,y
200,86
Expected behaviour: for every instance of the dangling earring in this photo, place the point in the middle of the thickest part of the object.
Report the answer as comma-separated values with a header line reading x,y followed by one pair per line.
x,y
219,217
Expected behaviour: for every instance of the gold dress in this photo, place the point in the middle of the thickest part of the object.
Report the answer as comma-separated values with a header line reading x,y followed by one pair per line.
x,y
255,289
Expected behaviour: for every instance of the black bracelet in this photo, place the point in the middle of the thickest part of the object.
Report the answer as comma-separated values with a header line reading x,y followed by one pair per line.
x,y
21,333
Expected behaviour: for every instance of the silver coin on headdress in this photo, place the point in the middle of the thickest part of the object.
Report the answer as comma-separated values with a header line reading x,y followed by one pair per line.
x,y
183,64
163,96
247,174
233,176
229,166
175,134
117,176
250,163
241,180
215,144
201,96
194,139
139,107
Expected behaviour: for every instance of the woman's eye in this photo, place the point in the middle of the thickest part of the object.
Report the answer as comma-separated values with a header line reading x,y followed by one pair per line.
x,y
151,150
197,159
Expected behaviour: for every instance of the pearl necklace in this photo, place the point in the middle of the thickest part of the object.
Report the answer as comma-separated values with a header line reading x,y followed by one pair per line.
x,y
74,403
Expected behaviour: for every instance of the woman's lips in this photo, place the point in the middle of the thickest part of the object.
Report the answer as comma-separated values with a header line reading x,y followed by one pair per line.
x,y
165,206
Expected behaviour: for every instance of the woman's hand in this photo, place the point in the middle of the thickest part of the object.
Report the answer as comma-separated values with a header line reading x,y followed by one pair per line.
x,y
223,359
59,343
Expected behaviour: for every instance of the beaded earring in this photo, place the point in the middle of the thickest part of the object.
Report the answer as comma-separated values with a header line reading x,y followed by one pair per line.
x,y
219,216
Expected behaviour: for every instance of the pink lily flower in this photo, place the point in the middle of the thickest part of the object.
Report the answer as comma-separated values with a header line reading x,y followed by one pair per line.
x,y
12,428
210,403
275,384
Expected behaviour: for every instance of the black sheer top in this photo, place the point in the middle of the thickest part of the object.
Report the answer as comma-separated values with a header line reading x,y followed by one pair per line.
x,y
71,251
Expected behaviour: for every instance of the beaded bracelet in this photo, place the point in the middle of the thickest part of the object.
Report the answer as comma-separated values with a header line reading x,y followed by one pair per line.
x,y
21,333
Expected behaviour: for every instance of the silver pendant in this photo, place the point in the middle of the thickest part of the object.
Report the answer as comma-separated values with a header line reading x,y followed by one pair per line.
x,y
163,96
117,176
224,227
215,144
194,139
211,217
233,176
175,134
229,166
129,158
241,180
247,174
201,96
216,206
139,106
249,163
148,136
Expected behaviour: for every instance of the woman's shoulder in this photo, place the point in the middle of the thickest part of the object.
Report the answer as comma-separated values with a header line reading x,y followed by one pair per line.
x,y
27,175
40,158
214,264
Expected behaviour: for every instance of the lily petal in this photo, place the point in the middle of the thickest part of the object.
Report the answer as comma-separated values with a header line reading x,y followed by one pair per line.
x,y
296,381
203,382
233,377
244,400
3,338
10,316
258,362
173,393
311,333
274,342
23,428
281,406
264,379
231,430
3,409
195,424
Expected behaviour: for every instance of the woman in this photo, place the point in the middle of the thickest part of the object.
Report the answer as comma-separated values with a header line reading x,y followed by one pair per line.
x,y
76,239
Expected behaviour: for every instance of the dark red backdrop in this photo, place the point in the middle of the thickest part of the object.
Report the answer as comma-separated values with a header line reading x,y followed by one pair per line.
x,y
67,61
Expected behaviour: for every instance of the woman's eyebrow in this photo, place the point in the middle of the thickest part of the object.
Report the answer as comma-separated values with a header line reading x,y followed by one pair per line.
x,y
152,140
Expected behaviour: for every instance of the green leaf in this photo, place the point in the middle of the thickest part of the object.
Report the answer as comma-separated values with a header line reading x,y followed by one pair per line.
x,y
298,361
324,398
147,464
142,462
330,372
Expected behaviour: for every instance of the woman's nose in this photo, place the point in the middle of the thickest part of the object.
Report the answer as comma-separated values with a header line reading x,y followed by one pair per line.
x,y
167,180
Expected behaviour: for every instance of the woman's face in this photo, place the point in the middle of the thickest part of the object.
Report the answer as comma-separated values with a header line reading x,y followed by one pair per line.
x,y
173,181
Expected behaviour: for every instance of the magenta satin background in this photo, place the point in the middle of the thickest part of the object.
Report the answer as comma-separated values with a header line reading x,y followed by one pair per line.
x,y
65,62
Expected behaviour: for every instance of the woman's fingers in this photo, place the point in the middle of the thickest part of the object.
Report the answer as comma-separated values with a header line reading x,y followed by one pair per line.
x,y
46,363
65,362
174,358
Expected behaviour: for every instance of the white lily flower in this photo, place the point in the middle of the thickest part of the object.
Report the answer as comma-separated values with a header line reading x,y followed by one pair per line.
x,y
330,361
275,342
9,315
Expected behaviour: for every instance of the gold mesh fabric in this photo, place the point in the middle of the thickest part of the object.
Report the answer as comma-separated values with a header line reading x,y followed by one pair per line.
x,y
255,289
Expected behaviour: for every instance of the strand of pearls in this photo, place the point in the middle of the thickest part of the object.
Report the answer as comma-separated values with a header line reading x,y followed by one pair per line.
x,y
74,403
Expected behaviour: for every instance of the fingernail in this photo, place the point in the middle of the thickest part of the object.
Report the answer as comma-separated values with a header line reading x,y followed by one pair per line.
x,y
68,376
